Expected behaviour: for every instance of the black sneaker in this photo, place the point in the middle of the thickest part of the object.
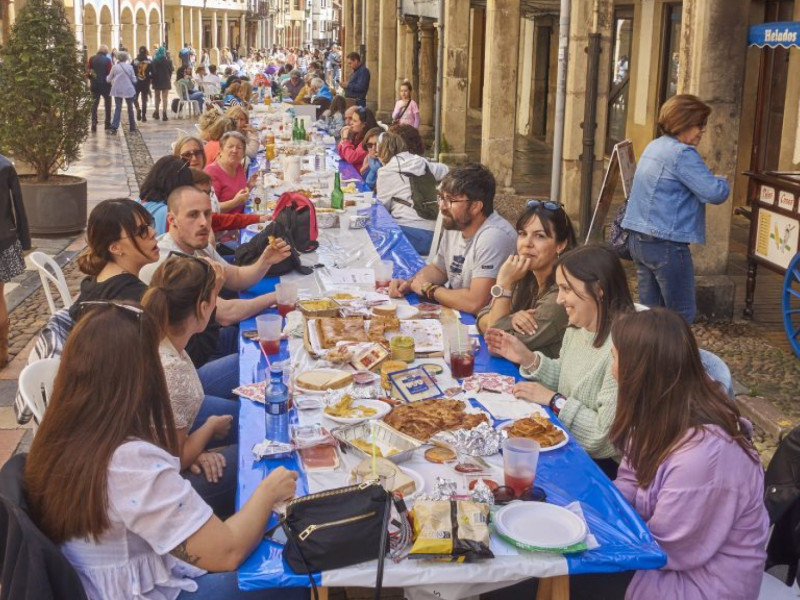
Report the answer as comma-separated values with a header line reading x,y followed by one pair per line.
x,y
107,126
155,115
144,118
94,127
164,116
138,115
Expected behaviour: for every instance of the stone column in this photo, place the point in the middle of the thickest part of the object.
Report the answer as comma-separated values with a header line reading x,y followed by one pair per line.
x,y
401,67
476,41
456,73
358,26
199,35
214,39
372,49
242,36
704,23
427,77
577,93
499,96
225,31
115,36
181,37
387,60
348,11
190,36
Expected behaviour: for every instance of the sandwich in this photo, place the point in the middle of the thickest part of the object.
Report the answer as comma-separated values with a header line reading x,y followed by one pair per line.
x,y
385,310
318,380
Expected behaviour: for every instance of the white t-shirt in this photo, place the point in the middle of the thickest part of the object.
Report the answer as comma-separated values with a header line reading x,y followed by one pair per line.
x,y
151,510
184,386
482,255
167,244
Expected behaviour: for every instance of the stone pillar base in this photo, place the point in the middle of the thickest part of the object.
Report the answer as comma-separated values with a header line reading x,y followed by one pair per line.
x,y
715,296
453,158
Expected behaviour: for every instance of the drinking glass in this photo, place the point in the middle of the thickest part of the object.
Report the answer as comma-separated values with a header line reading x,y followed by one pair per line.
x,y
269,333
383,274
462,355
286,294
520,457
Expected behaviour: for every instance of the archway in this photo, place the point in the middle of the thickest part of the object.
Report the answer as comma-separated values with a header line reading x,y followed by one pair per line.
x,y
141,29
127,30
91,31
105,26
155,30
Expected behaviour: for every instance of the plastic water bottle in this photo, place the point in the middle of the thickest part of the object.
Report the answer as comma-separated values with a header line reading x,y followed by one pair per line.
x,y
276,407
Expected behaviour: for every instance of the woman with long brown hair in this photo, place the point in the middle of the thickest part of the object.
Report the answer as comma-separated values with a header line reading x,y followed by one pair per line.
x,y
688,468
102,479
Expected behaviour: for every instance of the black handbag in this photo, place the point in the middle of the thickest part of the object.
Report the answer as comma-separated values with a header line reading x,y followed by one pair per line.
x,y
250,252
338,528
618,237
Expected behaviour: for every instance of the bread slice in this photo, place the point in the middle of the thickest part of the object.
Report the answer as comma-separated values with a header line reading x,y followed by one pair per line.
x,y
324,380
385,310
403,484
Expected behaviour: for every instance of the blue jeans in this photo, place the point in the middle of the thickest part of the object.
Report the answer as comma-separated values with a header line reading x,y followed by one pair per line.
x,y
665,273
219,495
118,113
217,586
198,95
214,406
421,239
221,373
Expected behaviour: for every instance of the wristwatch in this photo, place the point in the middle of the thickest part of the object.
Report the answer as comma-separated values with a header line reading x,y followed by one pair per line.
x,y
497,291
426,287
557,402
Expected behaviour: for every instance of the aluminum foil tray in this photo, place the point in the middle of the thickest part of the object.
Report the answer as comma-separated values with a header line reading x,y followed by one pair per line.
x,y
385,436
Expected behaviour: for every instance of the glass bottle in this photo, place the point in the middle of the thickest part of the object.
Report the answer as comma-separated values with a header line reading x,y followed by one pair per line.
x,y
337,196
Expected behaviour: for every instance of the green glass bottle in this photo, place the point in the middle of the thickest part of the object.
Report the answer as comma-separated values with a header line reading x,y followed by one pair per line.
x,y
303,134
295,131
337,195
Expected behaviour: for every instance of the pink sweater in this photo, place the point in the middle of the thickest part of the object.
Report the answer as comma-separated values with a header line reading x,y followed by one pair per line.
x,y
225,186
411,114
705,509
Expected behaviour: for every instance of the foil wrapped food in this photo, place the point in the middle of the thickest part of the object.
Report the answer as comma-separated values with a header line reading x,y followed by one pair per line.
x,y
482,493
482,440
443,489
271,449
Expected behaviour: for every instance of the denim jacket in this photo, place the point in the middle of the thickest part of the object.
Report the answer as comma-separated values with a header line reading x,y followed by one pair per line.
x,y
671,187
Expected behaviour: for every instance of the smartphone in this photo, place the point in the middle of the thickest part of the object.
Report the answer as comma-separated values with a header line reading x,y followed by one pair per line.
x,y
250,334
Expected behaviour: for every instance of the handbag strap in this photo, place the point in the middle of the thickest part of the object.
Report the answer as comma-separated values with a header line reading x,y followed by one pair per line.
x,y
387,514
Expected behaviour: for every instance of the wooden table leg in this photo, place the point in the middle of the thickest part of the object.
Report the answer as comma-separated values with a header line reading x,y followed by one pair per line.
x,y
323,593
553,588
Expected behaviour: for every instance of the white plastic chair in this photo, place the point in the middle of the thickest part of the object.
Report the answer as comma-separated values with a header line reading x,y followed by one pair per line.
x,y
773,588
437,236
185,104
51,273
36,385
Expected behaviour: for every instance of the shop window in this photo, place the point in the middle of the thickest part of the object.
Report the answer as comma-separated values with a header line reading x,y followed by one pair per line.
x,y
620,76
670,65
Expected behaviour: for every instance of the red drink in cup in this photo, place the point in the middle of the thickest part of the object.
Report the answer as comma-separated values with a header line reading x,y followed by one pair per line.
x,y
285,309
462,364
519,484
382,284
270,347
520,457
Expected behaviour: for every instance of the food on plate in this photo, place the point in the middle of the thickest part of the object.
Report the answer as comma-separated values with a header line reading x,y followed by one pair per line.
x,y
345,408
439,455
344,296
322,457
429,311
366,447
388,309
537,428
332,330
423,419
391,366
339,355
364,378
433,368
319,380
370,357
490,483
403,484
378,326
468,467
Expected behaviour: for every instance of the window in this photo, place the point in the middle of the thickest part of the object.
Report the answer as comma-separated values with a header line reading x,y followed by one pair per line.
x,y
670,59
620,76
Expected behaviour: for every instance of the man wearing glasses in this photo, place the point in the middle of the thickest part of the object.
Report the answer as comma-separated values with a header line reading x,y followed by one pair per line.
x,y
189,232
474,245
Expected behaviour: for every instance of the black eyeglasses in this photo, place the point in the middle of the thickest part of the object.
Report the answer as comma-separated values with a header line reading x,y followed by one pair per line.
x,y
142,231
135,311
446,199
178,254
545,204
189,154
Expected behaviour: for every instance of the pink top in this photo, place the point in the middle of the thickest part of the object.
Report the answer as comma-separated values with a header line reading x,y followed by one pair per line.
x,y
211,150
225,186
705,509
352,153
411,114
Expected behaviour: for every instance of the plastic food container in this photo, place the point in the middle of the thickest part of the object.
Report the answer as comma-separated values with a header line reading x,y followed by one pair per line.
x,y
326,220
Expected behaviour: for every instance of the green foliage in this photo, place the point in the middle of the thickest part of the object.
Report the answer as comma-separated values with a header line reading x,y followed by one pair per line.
x,y
45,103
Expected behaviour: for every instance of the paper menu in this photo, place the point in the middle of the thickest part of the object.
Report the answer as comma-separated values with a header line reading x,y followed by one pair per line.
x,y
332,278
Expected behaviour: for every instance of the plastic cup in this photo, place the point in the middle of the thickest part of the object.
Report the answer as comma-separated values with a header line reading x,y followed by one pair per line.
x,y
520,457
383,273
286,294
269,333
462,356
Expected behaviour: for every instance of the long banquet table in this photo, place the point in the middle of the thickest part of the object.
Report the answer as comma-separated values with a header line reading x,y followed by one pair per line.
x,y
566,474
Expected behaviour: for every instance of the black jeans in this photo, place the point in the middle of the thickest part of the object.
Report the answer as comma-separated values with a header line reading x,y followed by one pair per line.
x,y
145,94
107,101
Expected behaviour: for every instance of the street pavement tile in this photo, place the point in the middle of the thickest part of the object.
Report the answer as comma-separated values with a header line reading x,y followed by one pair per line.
x,y
9,440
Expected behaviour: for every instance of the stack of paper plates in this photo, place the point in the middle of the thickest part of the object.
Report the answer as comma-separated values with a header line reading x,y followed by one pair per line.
x,y
539,526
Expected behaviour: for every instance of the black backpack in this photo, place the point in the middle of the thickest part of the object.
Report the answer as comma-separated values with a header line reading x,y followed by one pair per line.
x,y
248,253
423,194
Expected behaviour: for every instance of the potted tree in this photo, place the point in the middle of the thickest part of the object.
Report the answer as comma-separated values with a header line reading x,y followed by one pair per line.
x,y
44,114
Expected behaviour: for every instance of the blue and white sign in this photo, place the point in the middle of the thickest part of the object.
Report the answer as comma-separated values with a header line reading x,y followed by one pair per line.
x,y
785,34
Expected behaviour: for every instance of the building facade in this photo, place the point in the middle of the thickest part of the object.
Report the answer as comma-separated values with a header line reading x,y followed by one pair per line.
x,y
624,58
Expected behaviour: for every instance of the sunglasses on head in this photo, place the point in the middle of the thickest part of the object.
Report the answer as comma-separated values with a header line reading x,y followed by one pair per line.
x,y
545,204
129,309
178,254
505,494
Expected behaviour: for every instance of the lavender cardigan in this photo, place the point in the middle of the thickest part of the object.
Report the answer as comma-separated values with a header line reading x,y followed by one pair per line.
x,y
705,509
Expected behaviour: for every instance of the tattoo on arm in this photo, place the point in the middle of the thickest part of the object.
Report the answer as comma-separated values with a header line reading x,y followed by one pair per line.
x,y
180,552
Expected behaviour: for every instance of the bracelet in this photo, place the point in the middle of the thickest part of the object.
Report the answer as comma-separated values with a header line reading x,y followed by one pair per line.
x,y
534,364
431,295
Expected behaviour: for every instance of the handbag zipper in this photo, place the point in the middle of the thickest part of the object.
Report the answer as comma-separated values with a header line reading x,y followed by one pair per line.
x,y
312,528
345,490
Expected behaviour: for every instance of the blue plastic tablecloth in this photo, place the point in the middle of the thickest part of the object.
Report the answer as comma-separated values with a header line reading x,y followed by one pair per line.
x,y
567,474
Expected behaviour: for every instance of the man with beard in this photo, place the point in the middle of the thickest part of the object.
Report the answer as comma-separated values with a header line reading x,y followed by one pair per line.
x,y
474,245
